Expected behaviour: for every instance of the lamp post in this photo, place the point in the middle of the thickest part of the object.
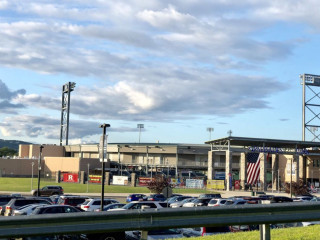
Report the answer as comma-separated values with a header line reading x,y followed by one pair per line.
x,y
103,126
39,170
119,160
88,177
32,164
140,126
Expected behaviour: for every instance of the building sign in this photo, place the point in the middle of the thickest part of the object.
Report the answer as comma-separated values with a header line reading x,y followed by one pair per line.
x,y
279,150
215,185
194,183
120,180
144,181
94,179
70,177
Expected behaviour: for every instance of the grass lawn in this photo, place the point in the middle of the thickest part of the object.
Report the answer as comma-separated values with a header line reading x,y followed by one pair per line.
x,y
297,233
24,185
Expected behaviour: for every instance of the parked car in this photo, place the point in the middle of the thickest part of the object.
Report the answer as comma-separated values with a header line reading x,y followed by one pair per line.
x,y
238,201
180,203
280,199
136,197
111,206
71,200
54,209
19,202
156,197
199,202
240,228
4,200
210,195
204,231
92,204
302,198
217,202
140,204
48,191
27,209
155,234
177,199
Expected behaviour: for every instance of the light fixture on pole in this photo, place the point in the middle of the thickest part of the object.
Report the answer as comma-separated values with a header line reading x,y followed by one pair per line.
x,y
140,126
39,169
103,152
210,129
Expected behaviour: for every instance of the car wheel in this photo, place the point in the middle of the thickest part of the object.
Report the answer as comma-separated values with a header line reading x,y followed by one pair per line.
x,y
35,194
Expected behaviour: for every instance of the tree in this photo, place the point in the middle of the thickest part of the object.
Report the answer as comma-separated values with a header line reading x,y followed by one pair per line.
x,y
5,151
158,183
298,188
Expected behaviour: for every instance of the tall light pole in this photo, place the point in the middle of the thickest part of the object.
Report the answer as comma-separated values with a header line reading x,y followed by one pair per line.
x,y
140,126
65,111
32,164
103,126
210,130
88,177
119,160
39,169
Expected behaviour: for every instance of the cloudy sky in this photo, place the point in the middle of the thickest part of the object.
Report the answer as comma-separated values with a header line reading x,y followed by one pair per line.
x,y
178,67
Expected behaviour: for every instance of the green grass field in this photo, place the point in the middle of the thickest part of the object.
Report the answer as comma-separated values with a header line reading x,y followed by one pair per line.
x,y
24,185
298,233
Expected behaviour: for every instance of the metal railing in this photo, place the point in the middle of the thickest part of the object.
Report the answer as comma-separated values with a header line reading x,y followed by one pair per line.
x,y
148,219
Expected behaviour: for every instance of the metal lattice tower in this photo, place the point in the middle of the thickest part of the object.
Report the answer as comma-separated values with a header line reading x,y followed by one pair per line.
x,y
65,110
311,106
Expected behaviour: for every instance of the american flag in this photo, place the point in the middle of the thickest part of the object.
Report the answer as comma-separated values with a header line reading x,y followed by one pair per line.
x,y
253,167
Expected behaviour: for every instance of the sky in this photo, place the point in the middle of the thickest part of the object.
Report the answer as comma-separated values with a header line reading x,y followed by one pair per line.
x,y
178,67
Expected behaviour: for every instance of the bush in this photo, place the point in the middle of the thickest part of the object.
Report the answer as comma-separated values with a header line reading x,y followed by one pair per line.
x,y
298,188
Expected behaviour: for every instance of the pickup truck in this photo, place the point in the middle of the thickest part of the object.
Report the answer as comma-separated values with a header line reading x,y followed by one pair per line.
x,y
48,191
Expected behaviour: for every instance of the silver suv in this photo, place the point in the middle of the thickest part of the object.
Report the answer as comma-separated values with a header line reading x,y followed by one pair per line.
x,y
19,202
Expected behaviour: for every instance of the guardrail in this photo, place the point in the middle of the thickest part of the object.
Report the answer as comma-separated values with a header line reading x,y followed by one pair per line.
x,y
148,219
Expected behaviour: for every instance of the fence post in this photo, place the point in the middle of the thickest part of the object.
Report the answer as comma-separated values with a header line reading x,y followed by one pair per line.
x,y
265,232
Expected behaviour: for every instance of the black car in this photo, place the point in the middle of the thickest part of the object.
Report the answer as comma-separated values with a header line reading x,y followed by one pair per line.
x,y
280,199
55,209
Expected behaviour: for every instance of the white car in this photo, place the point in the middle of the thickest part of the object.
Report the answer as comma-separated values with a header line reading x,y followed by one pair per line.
x,y
217,202
140,205
91,204
27,209
180,203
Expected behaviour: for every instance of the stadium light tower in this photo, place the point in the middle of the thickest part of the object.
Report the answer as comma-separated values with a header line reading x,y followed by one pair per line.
x,y
210,130
310,105
65,110
140,126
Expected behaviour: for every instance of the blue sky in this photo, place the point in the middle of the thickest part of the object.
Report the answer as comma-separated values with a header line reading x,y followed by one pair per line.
x,y
178,67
